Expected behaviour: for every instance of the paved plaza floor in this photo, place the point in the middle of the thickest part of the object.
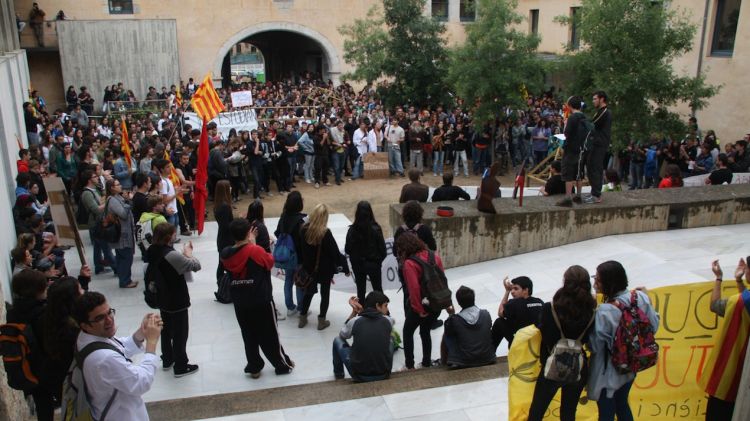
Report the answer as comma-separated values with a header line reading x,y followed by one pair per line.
x,y
651,259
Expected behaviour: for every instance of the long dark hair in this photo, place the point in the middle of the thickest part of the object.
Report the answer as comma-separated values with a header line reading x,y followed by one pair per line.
x,y
293,203
255,211
574,303
364,219
58,321
612,279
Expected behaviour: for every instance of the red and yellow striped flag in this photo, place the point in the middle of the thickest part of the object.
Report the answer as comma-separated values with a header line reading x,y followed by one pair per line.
x,y
206,101
125,143
178,97
174,178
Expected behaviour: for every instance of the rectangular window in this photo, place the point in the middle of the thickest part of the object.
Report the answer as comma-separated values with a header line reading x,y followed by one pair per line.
x,y
120,7
725,27
440,10
575,41
534,21
468,10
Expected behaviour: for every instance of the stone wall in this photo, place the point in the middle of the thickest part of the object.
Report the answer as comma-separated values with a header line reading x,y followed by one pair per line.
x,y
471,236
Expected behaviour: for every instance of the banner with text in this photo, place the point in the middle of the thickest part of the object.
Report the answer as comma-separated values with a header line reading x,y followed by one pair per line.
x,y
238,120
668,391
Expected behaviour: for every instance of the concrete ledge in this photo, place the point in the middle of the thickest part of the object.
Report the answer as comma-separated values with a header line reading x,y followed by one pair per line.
x,y
317,393
471,236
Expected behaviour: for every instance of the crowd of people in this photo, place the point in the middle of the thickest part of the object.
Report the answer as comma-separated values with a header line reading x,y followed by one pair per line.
x,y
309,130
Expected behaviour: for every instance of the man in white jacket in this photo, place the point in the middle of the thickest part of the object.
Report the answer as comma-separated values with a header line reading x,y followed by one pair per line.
x,y
110,374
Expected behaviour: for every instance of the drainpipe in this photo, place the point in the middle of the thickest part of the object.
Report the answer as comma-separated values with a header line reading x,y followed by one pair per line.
x,y
702,47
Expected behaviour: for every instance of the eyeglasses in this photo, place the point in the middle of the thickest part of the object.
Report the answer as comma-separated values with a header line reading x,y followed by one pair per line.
x,y
101,317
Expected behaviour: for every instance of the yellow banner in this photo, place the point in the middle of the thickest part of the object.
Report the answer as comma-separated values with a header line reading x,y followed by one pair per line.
x,y
668,391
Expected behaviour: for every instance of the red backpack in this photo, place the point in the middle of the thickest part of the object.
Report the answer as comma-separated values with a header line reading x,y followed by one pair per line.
x,y
634,348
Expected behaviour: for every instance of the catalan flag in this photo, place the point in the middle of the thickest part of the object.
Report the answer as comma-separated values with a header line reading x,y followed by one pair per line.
x,y
178,97
206,101
201,180
125,143
174,178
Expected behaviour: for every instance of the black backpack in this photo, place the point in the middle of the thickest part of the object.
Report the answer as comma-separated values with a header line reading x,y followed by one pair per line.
x,y
434,284
17,343
82,214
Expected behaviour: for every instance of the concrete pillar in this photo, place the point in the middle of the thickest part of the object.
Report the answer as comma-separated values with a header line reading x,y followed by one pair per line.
x,y
454,10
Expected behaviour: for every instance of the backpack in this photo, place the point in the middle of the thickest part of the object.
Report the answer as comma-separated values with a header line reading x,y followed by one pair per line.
x,y
223,294
153,281
82,214
16,344
434,285
284,253
75,399
144,232
566,358
634,348
412,230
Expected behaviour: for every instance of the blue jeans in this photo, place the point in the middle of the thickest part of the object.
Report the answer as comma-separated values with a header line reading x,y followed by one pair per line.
x,y
338,159
395,165
636,174
288,284
309,167
438,158
460,159
616,405
124,262
481,159
341,358
292,161
173,219
358,169
102,254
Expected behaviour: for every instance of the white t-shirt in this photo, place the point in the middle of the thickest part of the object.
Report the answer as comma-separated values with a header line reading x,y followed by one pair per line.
x,y
394,134
167,189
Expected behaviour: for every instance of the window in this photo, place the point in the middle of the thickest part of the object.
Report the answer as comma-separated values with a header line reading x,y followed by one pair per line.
x,y
468,10
440,10
725,27
575,41
534,21
120,7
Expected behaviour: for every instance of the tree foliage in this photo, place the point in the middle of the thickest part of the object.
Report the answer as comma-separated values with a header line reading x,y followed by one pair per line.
x,y
628,47
498,63
400,45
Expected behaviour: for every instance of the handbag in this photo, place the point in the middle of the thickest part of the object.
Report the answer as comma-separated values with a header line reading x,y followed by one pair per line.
x,y
107,227
302,278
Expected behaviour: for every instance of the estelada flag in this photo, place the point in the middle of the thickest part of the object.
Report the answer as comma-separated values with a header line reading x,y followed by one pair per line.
x,y
125,143
175,179
201,180
206,101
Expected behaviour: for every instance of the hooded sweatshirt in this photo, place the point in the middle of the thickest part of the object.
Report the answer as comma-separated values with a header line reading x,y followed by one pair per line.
x,y
372,354
469,334
155,218
250,267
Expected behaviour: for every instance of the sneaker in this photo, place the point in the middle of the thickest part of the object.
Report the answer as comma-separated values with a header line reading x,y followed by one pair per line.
x,y
253,375
302,321
592,200
269,194
188,370
282,193
317,185
323,323
577,199
280,315
401,175
338,376
308,181
338,183
186,233
166,365
328,184
292,312
565,202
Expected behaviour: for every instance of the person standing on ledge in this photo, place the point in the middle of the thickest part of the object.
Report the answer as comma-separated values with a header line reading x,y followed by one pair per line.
x,y
602,137
575,133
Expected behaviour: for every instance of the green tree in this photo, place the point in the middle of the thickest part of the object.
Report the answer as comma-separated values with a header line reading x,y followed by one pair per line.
x,y
401,46
627,50
498,63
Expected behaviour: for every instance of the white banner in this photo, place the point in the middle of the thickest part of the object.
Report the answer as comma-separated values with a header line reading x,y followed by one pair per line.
x,y
238,120
242,99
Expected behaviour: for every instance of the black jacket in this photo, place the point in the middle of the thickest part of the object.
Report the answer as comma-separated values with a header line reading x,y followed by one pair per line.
x,y
29,311
331,260
449,193
291,224
551,334
223,217
364,247
172,288
250,268
470,333
371,354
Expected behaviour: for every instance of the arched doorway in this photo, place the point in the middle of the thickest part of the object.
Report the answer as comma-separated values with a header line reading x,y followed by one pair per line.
x,y
287,48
